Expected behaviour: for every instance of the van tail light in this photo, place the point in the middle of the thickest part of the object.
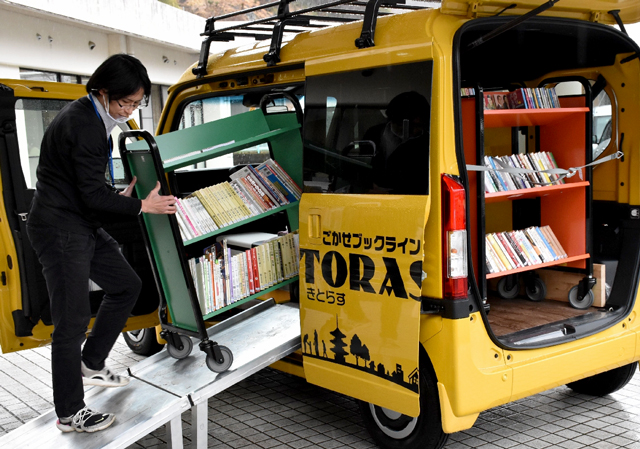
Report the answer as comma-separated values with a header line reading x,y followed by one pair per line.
x,y
454,239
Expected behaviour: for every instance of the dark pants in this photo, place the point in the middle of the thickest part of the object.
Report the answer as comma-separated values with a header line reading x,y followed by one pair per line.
x,y
68,261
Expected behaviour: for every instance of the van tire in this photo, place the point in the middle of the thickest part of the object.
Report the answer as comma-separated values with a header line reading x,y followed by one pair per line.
x,y
605,383
143,341
391,430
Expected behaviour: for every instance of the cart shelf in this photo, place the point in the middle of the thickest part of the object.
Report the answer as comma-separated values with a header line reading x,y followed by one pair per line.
x,y
204,154
152,158
226,229
249,298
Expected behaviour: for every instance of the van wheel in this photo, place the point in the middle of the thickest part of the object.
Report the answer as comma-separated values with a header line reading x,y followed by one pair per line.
x,y
393,430
143,341
605,383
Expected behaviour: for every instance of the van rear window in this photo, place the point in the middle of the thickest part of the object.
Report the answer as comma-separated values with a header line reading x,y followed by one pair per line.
x,y
367,131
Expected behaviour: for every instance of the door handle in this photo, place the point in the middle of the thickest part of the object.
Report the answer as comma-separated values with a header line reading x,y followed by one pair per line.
x,y
315,226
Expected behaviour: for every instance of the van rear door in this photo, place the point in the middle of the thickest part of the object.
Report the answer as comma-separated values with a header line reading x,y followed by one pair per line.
x,y
590,10
366,157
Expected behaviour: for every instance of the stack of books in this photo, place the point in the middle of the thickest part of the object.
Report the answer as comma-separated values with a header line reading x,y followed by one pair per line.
x,y
511,250
524,98
251,191
223,276
467,91
497,181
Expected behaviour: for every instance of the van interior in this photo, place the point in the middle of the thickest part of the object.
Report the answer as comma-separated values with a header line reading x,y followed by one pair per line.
x,y
573,58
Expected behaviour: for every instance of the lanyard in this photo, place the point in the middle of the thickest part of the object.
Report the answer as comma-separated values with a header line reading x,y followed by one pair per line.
x,y
109,140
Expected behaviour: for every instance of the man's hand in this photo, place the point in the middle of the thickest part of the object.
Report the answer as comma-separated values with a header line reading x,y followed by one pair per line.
x,y
129,189
158,204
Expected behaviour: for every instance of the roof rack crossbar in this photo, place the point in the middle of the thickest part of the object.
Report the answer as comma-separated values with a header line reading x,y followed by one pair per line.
x,y
297,19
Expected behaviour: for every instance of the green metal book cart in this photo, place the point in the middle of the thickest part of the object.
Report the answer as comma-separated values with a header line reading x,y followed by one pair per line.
x,y
150,160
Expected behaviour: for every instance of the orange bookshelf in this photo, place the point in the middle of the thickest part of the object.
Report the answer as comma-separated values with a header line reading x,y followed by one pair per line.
x,y
560,131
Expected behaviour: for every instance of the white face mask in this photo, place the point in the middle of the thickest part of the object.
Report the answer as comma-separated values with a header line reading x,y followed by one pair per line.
x,y
117,120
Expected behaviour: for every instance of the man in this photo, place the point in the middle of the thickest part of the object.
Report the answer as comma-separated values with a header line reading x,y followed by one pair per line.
x,y
65,231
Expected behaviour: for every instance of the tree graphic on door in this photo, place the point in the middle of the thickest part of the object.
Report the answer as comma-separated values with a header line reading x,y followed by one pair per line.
x,y
358,350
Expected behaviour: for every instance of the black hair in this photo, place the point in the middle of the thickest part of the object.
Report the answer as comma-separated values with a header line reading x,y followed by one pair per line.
x,y
121,75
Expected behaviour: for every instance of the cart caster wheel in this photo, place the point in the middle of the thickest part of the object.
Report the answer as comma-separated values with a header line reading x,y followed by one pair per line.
x,y
536,290
216,367
507,293
187,346
582,303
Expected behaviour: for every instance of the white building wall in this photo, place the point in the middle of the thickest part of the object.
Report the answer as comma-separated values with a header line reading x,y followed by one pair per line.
x,y
55,35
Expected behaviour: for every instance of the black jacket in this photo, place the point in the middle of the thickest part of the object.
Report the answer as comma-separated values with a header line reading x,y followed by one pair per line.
x,y
71,192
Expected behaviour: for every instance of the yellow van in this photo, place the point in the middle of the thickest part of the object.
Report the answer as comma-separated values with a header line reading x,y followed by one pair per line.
x,y
462,241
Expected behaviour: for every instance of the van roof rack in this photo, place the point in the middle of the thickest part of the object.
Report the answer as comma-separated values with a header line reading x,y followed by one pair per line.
x,y
299,20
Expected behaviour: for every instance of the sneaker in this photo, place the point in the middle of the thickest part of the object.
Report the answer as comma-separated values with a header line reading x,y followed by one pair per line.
x,y
86,420
102,378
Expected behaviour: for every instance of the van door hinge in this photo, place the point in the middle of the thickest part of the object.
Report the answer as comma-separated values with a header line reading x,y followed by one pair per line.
x,y
472,12
3,277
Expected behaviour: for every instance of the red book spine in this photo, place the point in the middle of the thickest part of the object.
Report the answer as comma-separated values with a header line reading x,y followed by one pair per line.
x,y
256,275
252,289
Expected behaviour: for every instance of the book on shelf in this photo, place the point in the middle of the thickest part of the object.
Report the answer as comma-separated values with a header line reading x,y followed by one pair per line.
x,y
237,267
528,247
533,98
502,180
496,100
250,192
467,91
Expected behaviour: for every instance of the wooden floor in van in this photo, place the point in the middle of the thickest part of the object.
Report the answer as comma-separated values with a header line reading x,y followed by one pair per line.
x,y
512,315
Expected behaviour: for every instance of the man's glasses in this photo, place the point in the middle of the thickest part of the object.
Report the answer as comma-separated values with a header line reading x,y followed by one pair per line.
x,y
134,105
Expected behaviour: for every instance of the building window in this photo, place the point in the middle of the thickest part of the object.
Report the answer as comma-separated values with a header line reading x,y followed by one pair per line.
x,y
42,75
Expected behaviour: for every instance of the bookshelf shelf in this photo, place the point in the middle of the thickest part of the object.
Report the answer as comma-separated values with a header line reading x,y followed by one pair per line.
x,y
542,265
228,228
508,118
249,298
535,192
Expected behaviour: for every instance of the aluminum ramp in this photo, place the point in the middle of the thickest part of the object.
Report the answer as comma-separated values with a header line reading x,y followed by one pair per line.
x,y
162,388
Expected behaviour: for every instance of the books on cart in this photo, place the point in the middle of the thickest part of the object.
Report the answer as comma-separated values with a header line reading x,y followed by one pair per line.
x,y
510,250
497,180
240,265
250,192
